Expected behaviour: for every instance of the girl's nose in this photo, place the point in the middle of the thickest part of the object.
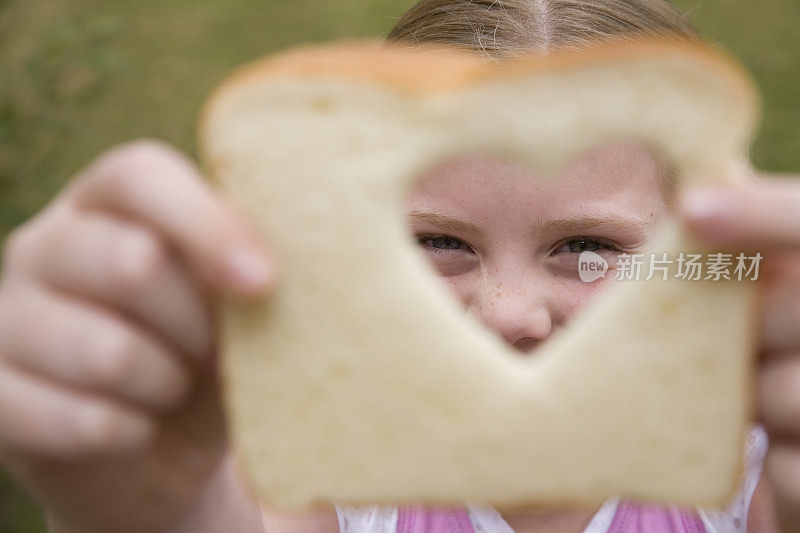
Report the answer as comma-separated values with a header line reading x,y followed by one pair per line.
x,y
518,312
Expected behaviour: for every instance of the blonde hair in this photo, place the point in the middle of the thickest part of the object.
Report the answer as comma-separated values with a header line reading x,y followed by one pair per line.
x,y
503,28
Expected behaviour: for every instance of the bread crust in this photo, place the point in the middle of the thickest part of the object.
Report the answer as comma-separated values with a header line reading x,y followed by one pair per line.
x,y
431,68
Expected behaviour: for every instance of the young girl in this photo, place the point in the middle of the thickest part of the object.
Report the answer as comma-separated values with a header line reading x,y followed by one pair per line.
x,y
108,408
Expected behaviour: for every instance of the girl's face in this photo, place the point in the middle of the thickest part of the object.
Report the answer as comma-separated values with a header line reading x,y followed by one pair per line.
x,y
507,241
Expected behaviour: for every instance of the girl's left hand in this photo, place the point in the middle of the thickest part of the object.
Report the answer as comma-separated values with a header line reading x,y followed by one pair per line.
x,y
764,216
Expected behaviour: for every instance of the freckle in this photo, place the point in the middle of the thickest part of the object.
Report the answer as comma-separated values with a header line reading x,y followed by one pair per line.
x,y
651,214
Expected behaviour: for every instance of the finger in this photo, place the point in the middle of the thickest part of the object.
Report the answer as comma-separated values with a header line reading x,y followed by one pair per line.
x,y
78,344
124,265
780,305
38,419
160,187
782,467
779,395
760,215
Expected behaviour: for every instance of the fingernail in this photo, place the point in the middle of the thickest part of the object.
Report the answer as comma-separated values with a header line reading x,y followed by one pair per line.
x,y
246,268
706,204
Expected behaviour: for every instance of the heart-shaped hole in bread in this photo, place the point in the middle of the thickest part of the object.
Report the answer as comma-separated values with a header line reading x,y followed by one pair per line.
x,y
524,252
361,381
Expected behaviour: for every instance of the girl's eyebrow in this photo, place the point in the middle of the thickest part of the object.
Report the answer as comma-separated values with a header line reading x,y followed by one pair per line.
x,y
622,224
625,225
445,223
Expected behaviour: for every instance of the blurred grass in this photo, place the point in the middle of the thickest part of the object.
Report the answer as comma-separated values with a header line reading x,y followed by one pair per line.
x,y
77,76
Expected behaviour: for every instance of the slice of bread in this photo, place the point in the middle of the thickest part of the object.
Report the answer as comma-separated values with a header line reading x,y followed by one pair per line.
x,y
361,381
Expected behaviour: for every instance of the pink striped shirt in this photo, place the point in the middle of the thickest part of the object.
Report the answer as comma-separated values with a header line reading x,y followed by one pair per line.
x,y
629,518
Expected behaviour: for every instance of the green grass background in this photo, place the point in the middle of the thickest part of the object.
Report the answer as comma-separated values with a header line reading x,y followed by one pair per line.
x,y
77,76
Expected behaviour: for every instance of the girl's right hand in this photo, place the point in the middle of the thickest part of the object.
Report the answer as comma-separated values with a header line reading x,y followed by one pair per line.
x,y
108,406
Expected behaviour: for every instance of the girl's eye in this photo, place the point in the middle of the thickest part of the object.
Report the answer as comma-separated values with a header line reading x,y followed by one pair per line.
x,y
565,255
578,245
442,242
450,256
